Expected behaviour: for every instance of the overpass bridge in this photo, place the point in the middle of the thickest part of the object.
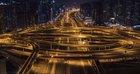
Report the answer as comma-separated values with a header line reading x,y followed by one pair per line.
x,y
55,56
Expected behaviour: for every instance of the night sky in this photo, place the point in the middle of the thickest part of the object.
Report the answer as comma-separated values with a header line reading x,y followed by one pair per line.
x,y
80,1
71,2
68,2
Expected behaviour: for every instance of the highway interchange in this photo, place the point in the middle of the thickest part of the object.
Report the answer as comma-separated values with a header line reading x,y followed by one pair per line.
x,y
68,46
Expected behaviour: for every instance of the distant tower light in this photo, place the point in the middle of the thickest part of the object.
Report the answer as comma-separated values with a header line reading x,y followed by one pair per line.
x,y
3,3
112,18
60,9
53,1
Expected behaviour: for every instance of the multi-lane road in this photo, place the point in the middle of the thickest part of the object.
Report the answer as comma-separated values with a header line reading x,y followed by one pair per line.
x,y
68,46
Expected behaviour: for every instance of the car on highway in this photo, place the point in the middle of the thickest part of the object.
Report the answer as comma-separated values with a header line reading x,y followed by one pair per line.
x,y
136,27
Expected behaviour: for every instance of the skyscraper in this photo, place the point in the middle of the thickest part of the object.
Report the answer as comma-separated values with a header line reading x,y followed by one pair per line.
x,y
22,13
127,12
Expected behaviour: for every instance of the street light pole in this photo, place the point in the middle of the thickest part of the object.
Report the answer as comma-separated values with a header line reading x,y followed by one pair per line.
x,y
52,10
51,14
